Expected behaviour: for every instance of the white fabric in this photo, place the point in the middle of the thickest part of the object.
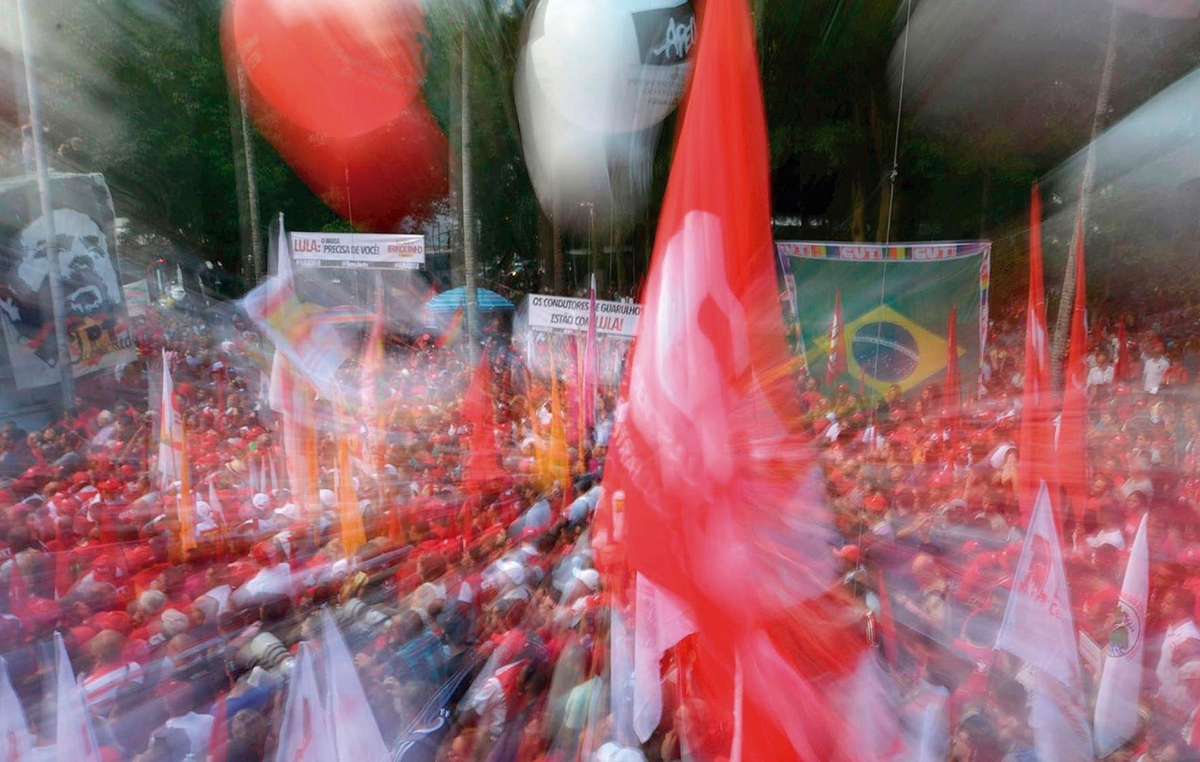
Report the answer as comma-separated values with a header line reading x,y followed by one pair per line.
x,y
198,728
1152,373
1116,717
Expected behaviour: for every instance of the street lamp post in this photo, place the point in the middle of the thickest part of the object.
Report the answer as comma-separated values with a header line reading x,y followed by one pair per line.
x,y
46,200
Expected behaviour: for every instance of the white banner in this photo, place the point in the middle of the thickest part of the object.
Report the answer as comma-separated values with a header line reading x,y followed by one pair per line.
x,y
358,250
137,298
564,313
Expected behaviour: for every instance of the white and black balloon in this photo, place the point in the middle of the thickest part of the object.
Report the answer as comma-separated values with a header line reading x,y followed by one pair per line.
x,y
594,82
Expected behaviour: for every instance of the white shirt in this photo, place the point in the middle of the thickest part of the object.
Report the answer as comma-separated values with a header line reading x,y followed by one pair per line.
x,y
198,728
1098,376
1166,672
1152,373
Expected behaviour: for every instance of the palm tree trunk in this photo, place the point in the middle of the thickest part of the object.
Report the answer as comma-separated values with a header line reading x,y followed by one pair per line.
x,y
1062,320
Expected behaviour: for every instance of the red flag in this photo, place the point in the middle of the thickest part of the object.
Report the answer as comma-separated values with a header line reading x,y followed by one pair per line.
x,y
1072,432
482,472
951,391
723,508
18,591
589,362
1035,443
218,738
1121,361
835,364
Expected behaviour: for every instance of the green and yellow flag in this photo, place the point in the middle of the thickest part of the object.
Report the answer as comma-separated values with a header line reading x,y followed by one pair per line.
x,y
896,302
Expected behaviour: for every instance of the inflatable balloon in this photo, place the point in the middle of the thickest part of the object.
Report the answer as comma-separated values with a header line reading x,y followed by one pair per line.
x,y
333,68
611,65
335,87
594,81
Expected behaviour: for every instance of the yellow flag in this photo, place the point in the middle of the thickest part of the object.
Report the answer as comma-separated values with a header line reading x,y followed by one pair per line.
x,y
353,535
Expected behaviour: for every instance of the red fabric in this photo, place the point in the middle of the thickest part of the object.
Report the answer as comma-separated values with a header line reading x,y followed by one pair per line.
x,y
18,592
705,451
1121,362
1035,442
951,392
218,740
1072,436
835,364
482,472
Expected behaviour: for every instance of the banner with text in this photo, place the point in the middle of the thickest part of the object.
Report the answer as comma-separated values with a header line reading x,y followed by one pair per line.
x,y
896,303
84,226
564,313
557,325
378,251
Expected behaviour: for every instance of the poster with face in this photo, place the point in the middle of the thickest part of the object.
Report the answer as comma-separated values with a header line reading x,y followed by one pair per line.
x,y
93,302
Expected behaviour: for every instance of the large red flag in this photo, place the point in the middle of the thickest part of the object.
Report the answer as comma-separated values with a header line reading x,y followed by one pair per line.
x,y
1072,432
482,472
835,364
723,505
1035,444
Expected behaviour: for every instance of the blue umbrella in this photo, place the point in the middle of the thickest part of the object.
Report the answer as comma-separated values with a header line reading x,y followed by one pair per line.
x,y
456,298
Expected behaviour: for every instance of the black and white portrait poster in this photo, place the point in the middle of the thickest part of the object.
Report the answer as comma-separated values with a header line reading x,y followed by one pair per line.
x,y
93,302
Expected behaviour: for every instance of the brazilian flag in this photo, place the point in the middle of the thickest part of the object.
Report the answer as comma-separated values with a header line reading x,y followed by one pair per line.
x,y
896,305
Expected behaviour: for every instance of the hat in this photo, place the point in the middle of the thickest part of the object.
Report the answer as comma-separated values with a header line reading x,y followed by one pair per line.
x,y
260,501
850,553
589,577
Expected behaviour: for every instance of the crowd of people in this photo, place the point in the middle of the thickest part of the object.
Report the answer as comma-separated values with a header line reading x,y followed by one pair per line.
x,y
477,617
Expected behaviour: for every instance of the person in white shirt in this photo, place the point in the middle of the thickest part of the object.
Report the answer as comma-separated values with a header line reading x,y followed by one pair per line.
x,y
1177,605
1100,377
1154,369
180,701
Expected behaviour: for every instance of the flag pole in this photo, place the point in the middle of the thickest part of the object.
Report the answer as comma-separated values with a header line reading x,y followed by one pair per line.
x,y
46,200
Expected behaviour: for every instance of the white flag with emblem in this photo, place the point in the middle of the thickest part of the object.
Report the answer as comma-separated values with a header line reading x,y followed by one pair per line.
x,y
15,738
304,733
1121,679
660,621
355,733
1037,625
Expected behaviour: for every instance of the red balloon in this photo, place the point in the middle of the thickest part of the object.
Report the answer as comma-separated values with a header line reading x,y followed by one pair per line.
x,y
336,69
342,105
373,180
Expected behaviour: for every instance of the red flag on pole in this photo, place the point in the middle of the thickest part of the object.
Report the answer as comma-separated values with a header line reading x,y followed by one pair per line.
x,y
482,472
1121,361
1072,433
1035,443
835,364
723,507
951,391
589,363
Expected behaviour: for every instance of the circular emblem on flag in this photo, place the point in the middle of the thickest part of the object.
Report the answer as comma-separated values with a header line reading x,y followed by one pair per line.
x,y
1127,632
885,350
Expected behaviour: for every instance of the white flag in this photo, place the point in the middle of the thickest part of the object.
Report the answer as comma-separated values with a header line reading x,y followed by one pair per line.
x,y
15,738
1038,628
74,737
1037,625
304,733
660,621
356,735
170,431
1121,678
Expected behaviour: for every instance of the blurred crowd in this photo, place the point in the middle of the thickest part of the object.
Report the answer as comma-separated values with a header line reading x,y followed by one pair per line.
x,y
477,619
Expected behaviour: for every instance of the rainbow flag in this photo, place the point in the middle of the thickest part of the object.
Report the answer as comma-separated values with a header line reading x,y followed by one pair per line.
x,y
453,330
